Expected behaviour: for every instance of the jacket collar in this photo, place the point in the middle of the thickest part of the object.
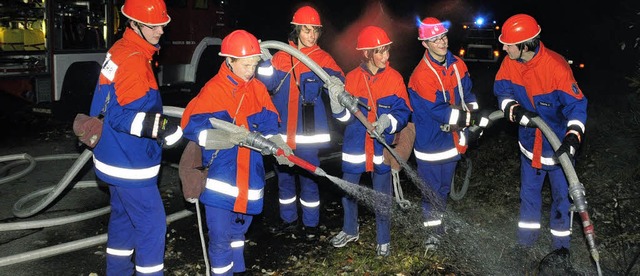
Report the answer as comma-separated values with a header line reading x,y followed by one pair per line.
x,y
364,68
225,70
448,59
305,50
147,49
540,51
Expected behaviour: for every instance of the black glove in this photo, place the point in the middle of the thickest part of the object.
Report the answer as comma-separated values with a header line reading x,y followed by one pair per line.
x,y
475,133
514,112
158,126
570,145
480,118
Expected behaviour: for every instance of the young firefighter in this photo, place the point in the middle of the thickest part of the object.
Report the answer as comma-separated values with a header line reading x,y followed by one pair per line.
x,y
236,177
535,81
128,154
382,88
442,102
297,94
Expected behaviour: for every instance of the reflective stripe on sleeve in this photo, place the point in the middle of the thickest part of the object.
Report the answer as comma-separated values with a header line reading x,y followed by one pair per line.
x,y
312,139
136,124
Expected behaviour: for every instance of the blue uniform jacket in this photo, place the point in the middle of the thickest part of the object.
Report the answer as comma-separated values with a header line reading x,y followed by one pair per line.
x,y
281,75
236,176
386,93
436,101
128,85
544,85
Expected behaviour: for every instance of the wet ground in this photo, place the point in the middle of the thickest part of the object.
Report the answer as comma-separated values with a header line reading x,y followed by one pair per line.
x,y
479,238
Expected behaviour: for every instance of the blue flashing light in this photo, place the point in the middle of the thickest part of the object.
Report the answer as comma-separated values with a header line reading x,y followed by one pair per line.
x,y
479,21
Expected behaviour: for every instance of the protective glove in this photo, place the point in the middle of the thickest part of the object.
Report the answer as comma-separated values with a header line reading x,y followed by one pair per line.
x,y
480,118
169,134
514,112
280,143
159,127
474,133
266,55
570,145
381,124
88,129
335,87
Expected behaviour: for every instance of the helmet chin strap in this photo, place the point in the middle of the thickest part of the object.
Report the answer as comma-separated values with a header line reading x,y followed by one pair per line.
x,y
521,48
141,33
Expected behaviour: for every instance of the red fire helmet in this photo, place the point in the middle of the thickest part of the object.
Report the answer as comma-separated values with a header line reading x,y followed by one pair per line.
x,y
306,16
240,44
430,27
519,28
372,37
149,12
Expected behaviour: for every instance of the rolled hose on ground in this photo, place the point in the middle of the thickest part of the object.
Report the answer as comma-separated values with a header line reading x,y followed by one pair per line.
x,y
50,194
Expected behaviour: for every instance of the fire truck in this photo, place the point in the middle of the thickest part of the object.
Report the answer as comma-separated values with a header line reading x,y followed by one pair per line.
x,y
51,51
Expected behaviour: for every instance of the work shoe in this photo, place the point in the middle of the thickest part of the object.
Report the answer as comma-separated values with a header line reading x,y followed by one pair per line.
x,y
311,233
383,250
343,238
431,243
557,262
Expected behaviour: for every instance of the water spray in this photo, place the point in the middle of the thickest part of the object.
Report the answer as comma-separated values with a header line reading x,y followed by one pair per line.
x,y
576,189
351,103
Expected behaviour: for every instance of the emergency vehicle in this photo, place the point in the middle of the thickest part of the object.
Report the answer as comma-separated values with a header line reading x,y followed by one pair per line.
x,y
51,51
480,41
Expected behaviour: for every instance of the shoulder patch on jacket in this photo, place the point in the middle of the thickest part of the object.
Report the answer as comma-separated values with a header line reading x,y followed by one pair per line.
x,y
575,88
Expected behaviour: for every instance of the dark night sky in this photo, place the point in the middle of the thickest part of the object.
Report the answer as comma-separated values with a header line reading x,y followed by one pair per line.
x,y
585,30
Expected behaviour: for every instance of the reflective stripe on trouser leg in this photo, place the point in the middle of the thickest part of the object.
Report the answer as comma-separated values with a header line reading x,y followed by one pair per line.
x,y
531,180
237,241
350,206
287,193
120,241
382,184
438,179
560,219
224,232
146,211
309,194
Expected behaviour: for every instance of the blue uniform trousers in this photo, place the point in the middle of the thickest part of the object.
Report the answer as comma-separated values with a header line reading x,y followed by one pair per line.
x,y
137,225
437,179
382,184
226,240
309,194
532,180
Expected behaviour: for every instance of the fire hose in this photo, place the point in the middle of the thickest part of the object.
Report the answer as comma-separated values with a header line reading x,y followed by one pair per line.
x,y
256,141
345,99
576,189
